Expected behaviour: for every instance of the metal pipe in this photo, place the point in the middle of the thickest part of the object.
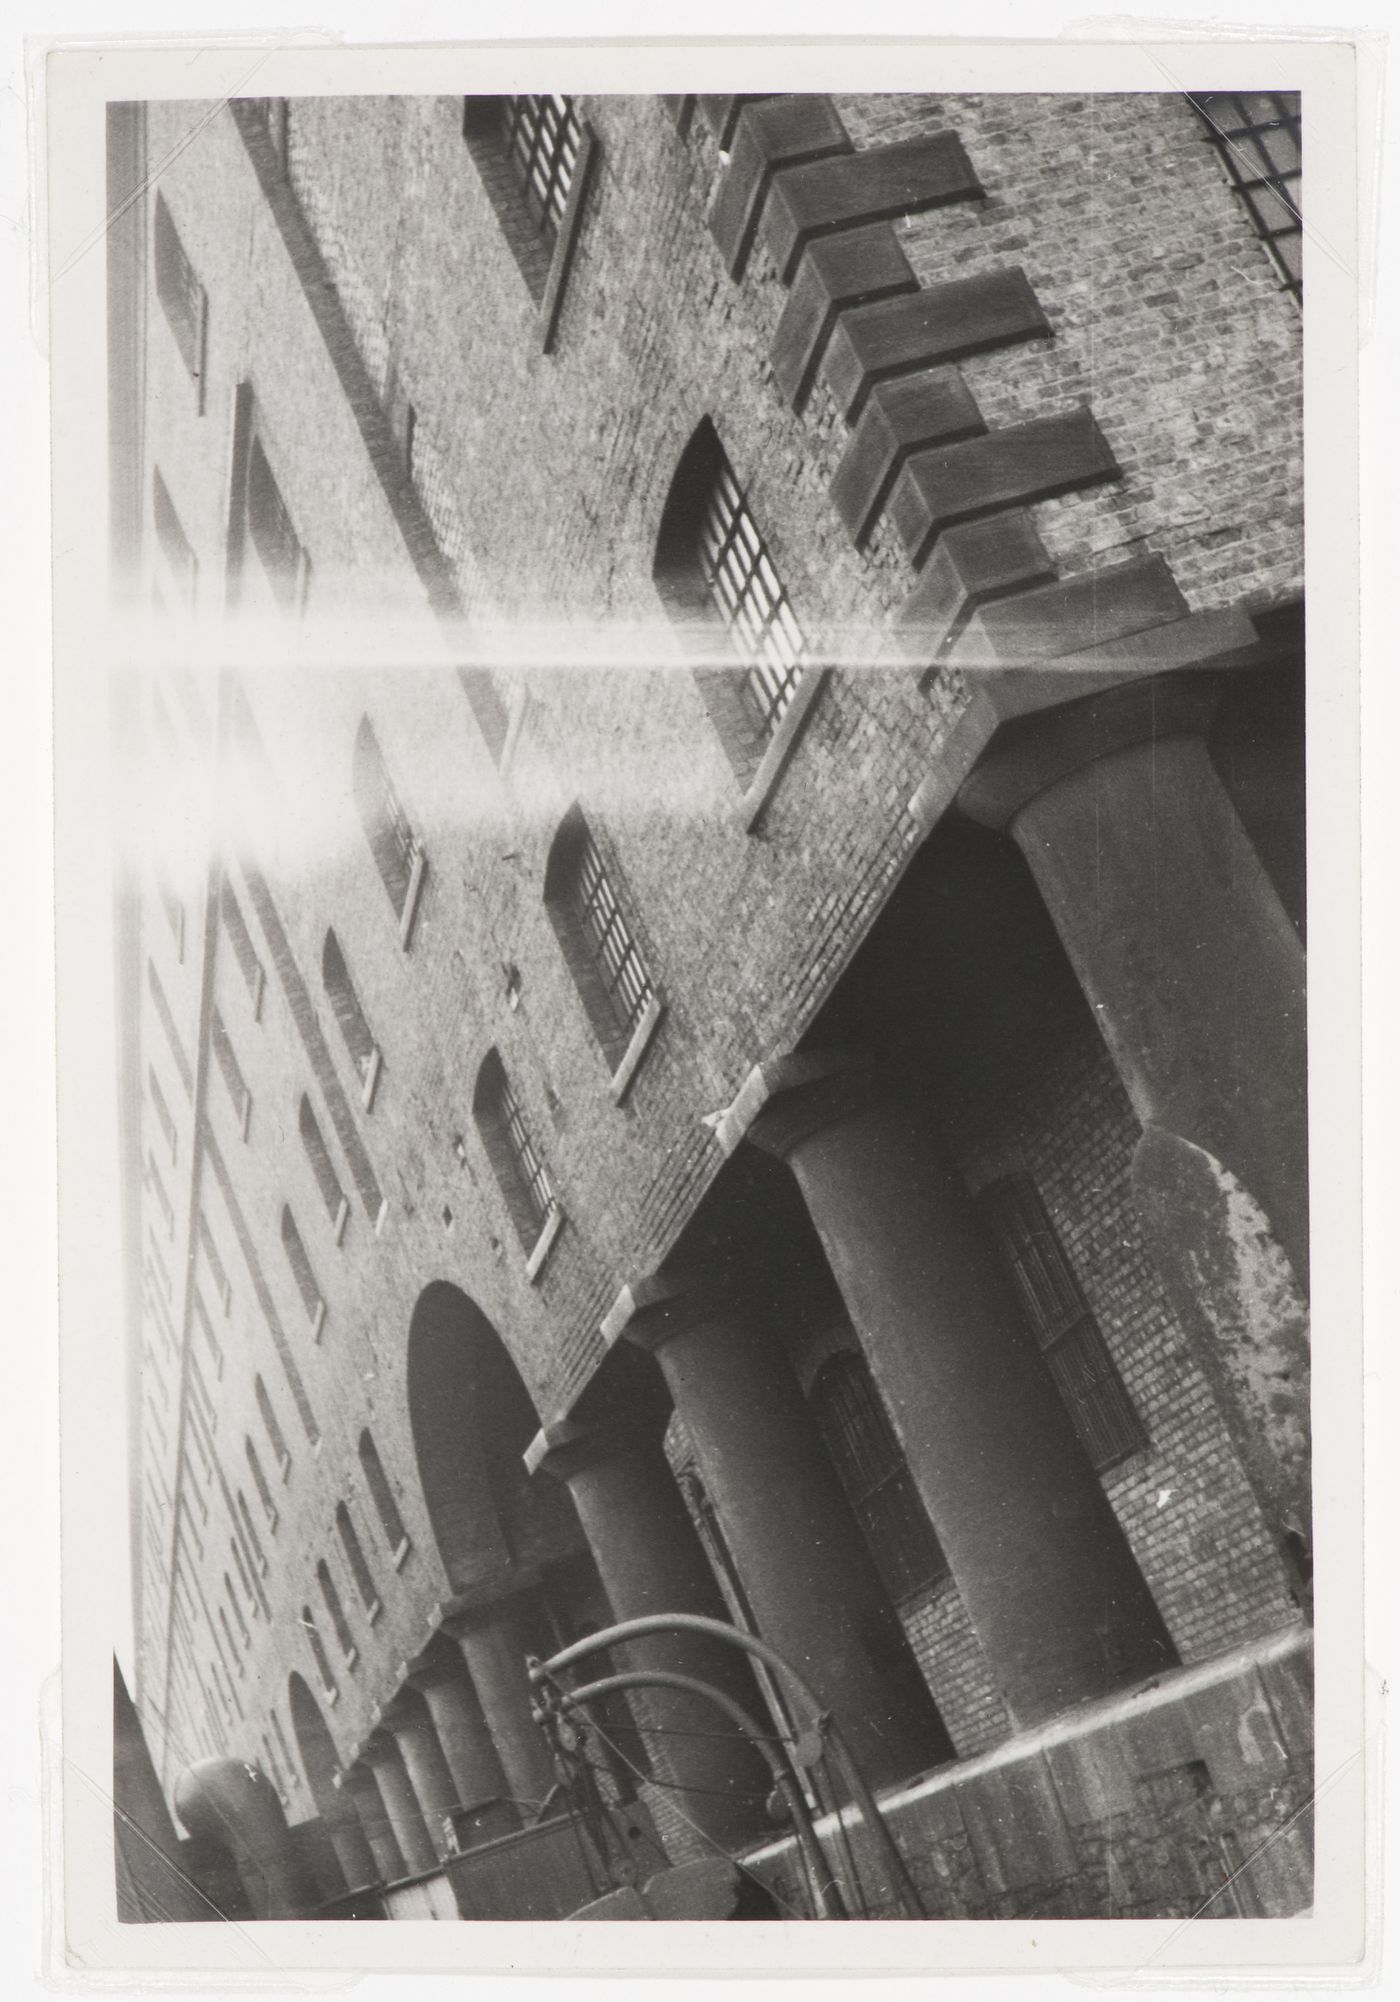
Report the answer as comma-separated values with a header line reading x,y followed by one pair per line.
x,y
826,1892
823,1721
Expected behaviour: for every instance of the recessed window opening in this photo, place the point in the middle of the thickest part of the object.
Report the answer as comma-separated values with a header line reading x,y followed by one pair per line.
x,y
157,1188
875,1474
382,1495
397,852
216,1264
311,1296
532,154
1104,1416
752,601
339,1622
245,1517
162,1112
542,137
174,544
1258,135
322,1167
356,1559
350,1017
274,1430
523,1179
319,1655
272,533
183,299
597,941
264,1492
229,1069
244,951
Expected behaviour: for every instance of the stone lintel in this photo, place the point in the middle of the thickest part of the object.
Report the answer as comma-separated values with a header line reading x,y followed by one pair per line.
x,y
970,564
1073,615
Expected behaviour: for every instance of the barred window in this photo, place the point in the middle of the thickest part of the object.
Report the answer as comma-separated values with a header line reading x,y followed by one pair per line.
x,y
339,1622
522,1176
397,852
382,1495
596,939
754,604
875,1474
1258,135
311,1296
533,155
1104,1417
323,1168
714,574
350,1017
183,299
356,1559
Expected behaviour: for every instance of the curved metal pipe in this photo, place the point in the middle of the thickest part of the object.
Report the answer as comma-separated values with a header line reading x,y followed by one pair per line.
x,y
826,1892
901,1882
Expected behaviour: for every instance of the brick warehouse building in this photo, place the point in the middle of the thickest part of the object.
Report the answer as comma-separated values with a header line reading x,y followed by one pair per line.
x,y
756,1068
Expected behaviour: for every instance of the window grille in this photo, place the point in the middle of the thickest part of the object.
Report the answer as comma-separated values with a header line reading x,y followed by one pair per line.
x,y
311,1296
523,1179
752,601
183,299
322,1167
274,1430
350,1016
1104,1417
597,941
318,1654
264,1492
875,1475
355,1558
339,1622
397,852
232,1075
1258,135
382,1495
542,139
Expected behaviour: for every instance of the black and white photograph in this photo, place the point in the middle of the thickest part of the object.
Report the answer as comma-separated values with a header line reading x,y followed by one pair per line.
x,y
707,868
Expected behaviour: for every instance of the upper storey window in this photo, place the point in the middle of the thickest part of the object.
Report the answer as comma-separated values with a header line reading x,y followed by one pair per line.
x,y
397,852
713,569
1259,138
520,1173
597,941
183,299
350,1016
260,521
533,155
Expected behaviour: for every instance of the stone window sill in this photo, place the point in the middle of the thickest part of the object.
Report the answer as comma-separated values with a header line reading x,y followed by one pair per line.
x,y
637,1048
781,746
544,1244
412,900
552,297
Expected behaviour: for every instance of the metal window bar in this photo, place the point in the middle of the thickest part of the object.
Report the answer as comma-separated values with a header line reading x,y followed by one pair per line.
x,y
1259,137
754,605
610,943
535,1184
1074,1348
876,1477
543,139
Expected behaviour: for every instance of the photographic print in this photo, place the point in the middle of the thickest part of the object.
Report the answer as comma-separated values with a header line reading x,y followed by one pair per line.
x,y
705,707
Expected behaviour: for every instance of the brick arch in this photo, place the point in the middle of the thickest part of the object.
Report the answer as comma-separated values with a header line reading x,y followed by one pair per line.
x,y
329,1789
471,1418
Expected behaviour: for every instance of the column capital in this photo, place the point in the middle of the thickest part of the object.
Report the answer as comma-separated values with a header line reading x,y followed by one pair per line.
x,y
566,1448
379,1748
810,1091
667,1303
1031,753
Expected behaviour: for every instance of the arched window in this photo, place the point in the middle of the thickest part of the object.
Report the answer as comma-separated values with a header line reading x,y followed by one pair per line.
x,y
350,1017
533,156
1258,134
382,1495
264,1492
1061,1319
310,1292
231,1072
596,939
714,573
323,1168
274,1430
356,1559
873,1471
245,1517
339,1622
397,853
319,1656
522,1176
